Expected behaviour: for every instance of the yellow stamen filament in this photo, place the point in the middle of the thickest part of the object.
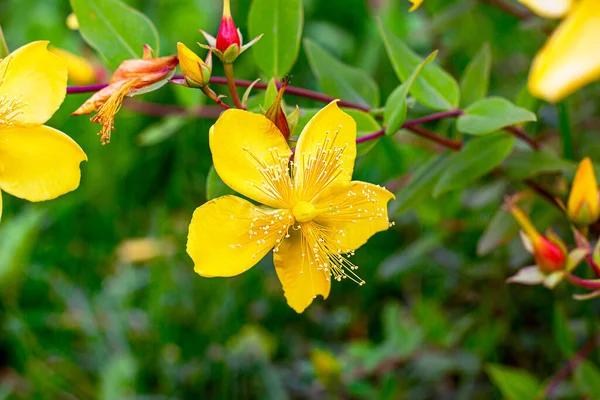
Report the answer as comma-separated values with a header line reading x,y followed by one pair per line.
x,y
106,114
10,108
268,224
320,243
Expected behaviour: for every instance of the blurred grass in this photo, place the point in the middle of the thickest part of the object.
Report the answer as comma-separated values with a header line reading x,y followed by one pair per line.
x,y
79,321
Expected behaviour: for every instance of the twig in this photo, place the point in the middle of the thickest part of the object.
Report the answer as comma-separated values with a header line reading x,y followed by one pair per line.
x,y
228,67
521,134
543,193
579,357
163,110
446,142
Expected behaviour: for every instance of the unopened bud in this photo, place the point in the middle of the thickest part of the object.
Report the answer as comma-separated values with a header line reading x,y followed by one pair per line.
x,y
195,71
583,207
228,34
276,114
549,252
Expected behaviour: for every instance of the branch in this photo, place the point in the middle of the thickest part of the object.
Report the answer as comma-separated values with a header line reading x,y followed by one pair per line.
x,y
580,356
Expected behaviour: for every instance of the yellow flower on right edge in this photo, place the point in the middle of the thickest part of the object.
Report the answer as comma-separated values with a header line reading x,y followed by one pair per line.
x,y
36,162
314,216
570,58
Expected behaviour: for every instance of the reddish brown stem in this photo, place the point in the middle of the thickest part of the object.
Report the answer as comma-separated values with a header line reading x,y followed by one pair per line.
x,y
521,134
231,84
583,283
577,359
593,264
446,142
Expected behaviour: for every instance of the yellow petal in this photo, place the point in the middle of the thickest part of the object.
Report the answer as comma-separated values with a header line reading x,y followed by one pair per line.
x,y
359,210
325,152
416,4
583,206
570,59
36,80
38,163
251,157
301,281
227,235
80,70
548,8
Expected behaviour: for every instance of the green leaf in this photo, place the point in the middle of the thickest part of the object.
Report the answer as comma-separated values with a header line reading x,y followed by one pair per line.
x,y
477,158
587,379
395,106
491,114
340,80
115,30
502,228
17,239
160,131
3,47
215,187
420,185
365,125
118,377
476,78
434,87
515,384
563,336
270,94
523,165
281,22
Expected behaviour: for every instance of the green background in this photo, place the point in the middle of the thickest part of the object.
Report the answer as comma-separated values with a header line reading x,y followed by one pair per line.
x,y
79,322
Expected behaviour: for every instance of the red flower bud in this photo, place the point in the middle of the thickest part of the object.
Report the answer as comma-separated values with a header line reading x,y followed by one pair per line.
x,y
228,34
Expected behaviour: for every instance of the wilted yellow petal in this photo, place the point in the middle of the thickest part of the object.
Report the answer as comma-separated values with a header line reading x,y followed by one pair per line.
x,y
301,280
38,163
81,71
325,152
583,206
229,235
548,8
570,59
357,212
251,157
36,80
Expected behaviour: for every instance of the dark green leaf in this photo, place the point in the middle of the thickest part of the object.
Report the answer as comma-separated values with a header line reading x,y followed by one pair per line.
x,y
492,114
476,78
115,30
17,239
515,384
160,131
434,87
420,185
215,187
281,23
340,80
395,106
587,379
477,158
501,229
522,165
563,336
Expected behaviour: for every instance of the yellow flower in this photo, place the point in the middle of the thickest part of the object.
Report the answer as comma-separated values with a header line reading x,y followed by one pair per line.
x,y
548,8
415,4
132,76
316,216
569,60
36,162
583,206
81,71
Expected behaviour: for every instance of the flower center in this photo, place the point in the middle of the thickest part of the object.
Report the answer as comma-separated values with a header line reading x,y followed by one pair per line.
x,y
304,211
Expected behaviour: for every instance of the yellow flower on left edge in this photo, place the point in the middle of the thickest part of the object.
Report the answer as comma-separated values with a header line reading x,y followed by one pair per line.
x,y
315,215
36,162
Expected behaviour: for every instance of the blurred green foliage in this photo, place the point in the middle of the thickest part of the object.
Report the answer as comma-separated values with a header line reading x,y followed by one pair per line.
x,y
80,319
